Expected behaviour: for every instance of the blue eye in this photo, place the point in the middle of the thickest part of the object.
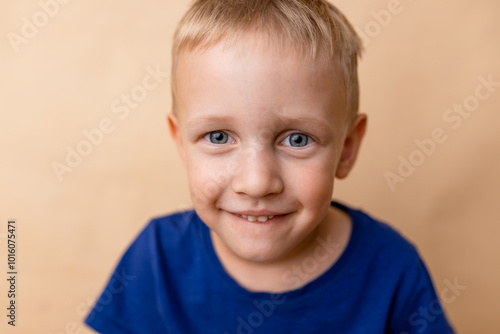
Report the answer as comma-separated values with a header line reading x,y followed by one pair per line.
x,y
296,140
217,137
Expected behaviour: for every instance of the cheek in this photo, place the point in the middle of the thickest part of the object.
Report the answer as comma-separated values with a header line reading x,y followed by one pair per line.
x,y
313,180
206,178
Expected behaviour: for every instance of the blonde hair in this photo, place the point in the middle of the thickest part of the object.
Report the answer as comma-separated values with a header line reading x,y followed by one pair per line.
x,y
312,27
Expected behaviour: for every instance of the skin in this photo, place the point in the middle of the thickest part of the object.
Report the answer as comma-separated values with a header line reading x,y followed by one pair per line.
x,y
264,104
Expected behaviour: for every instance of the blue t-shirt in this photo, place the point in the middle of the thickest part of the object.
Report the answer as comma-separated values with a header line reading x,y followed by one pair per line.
x,y
171,281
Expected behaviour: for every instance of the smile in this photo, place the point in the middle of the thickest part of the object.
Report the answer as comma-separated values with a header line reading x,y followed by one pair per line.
x,y
261,219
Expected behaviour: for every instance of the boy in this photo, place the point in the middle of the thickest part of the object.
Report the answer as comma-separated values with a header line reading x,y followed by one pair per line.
x,y
265,116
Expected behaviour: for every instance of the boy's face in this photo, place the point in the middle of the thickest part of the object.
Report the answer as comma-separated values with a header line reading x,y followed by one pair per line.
x,y
262,134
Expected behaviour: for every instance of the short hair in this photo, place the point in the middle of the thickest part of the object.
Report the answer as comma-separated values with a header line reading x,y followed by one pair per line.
x,y
313,27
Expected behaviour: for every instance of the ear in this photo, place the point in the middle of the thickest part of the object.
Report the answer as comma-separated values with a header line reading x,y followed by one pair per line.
x,y
352,143
173,125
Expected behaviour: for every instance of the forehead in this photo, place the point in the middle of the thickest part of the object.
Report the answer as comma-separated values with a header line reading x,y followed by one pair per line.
x,y
253,74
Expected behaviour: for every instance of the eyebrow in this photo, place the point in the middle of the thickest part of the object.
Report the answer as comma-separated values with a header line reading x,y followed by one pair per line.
x,y
309,120
309,124
208,119
318,124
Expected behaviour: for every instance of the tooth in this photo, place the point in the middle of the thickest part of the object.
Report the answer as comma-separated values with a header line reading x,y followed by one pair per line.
x,y
244,216
271,217
252,218
262,219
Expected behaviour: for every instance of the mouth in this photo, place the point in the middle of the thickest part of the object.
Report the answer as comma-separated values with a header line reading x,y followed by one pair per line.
x,y
253,219
259,218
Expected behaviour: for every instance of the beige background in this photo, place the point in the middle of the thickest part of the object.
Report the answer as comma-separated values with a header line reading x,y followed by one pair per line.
x,y
65,77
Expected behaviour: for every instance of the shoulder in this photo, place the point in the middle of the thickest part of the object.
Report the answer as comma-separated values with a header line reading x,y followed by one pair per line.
x,y
383,252
164,238
162,252
377,236
177,221
171,230
396,273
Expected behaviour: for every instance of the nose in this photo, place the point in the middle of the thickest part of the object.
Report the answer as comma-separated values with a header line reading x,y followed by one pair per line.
x,y
258,173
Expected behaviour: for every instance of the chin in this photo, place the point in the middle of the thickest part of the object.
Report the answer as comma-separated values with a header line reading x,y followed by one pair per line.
x,y
254,253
